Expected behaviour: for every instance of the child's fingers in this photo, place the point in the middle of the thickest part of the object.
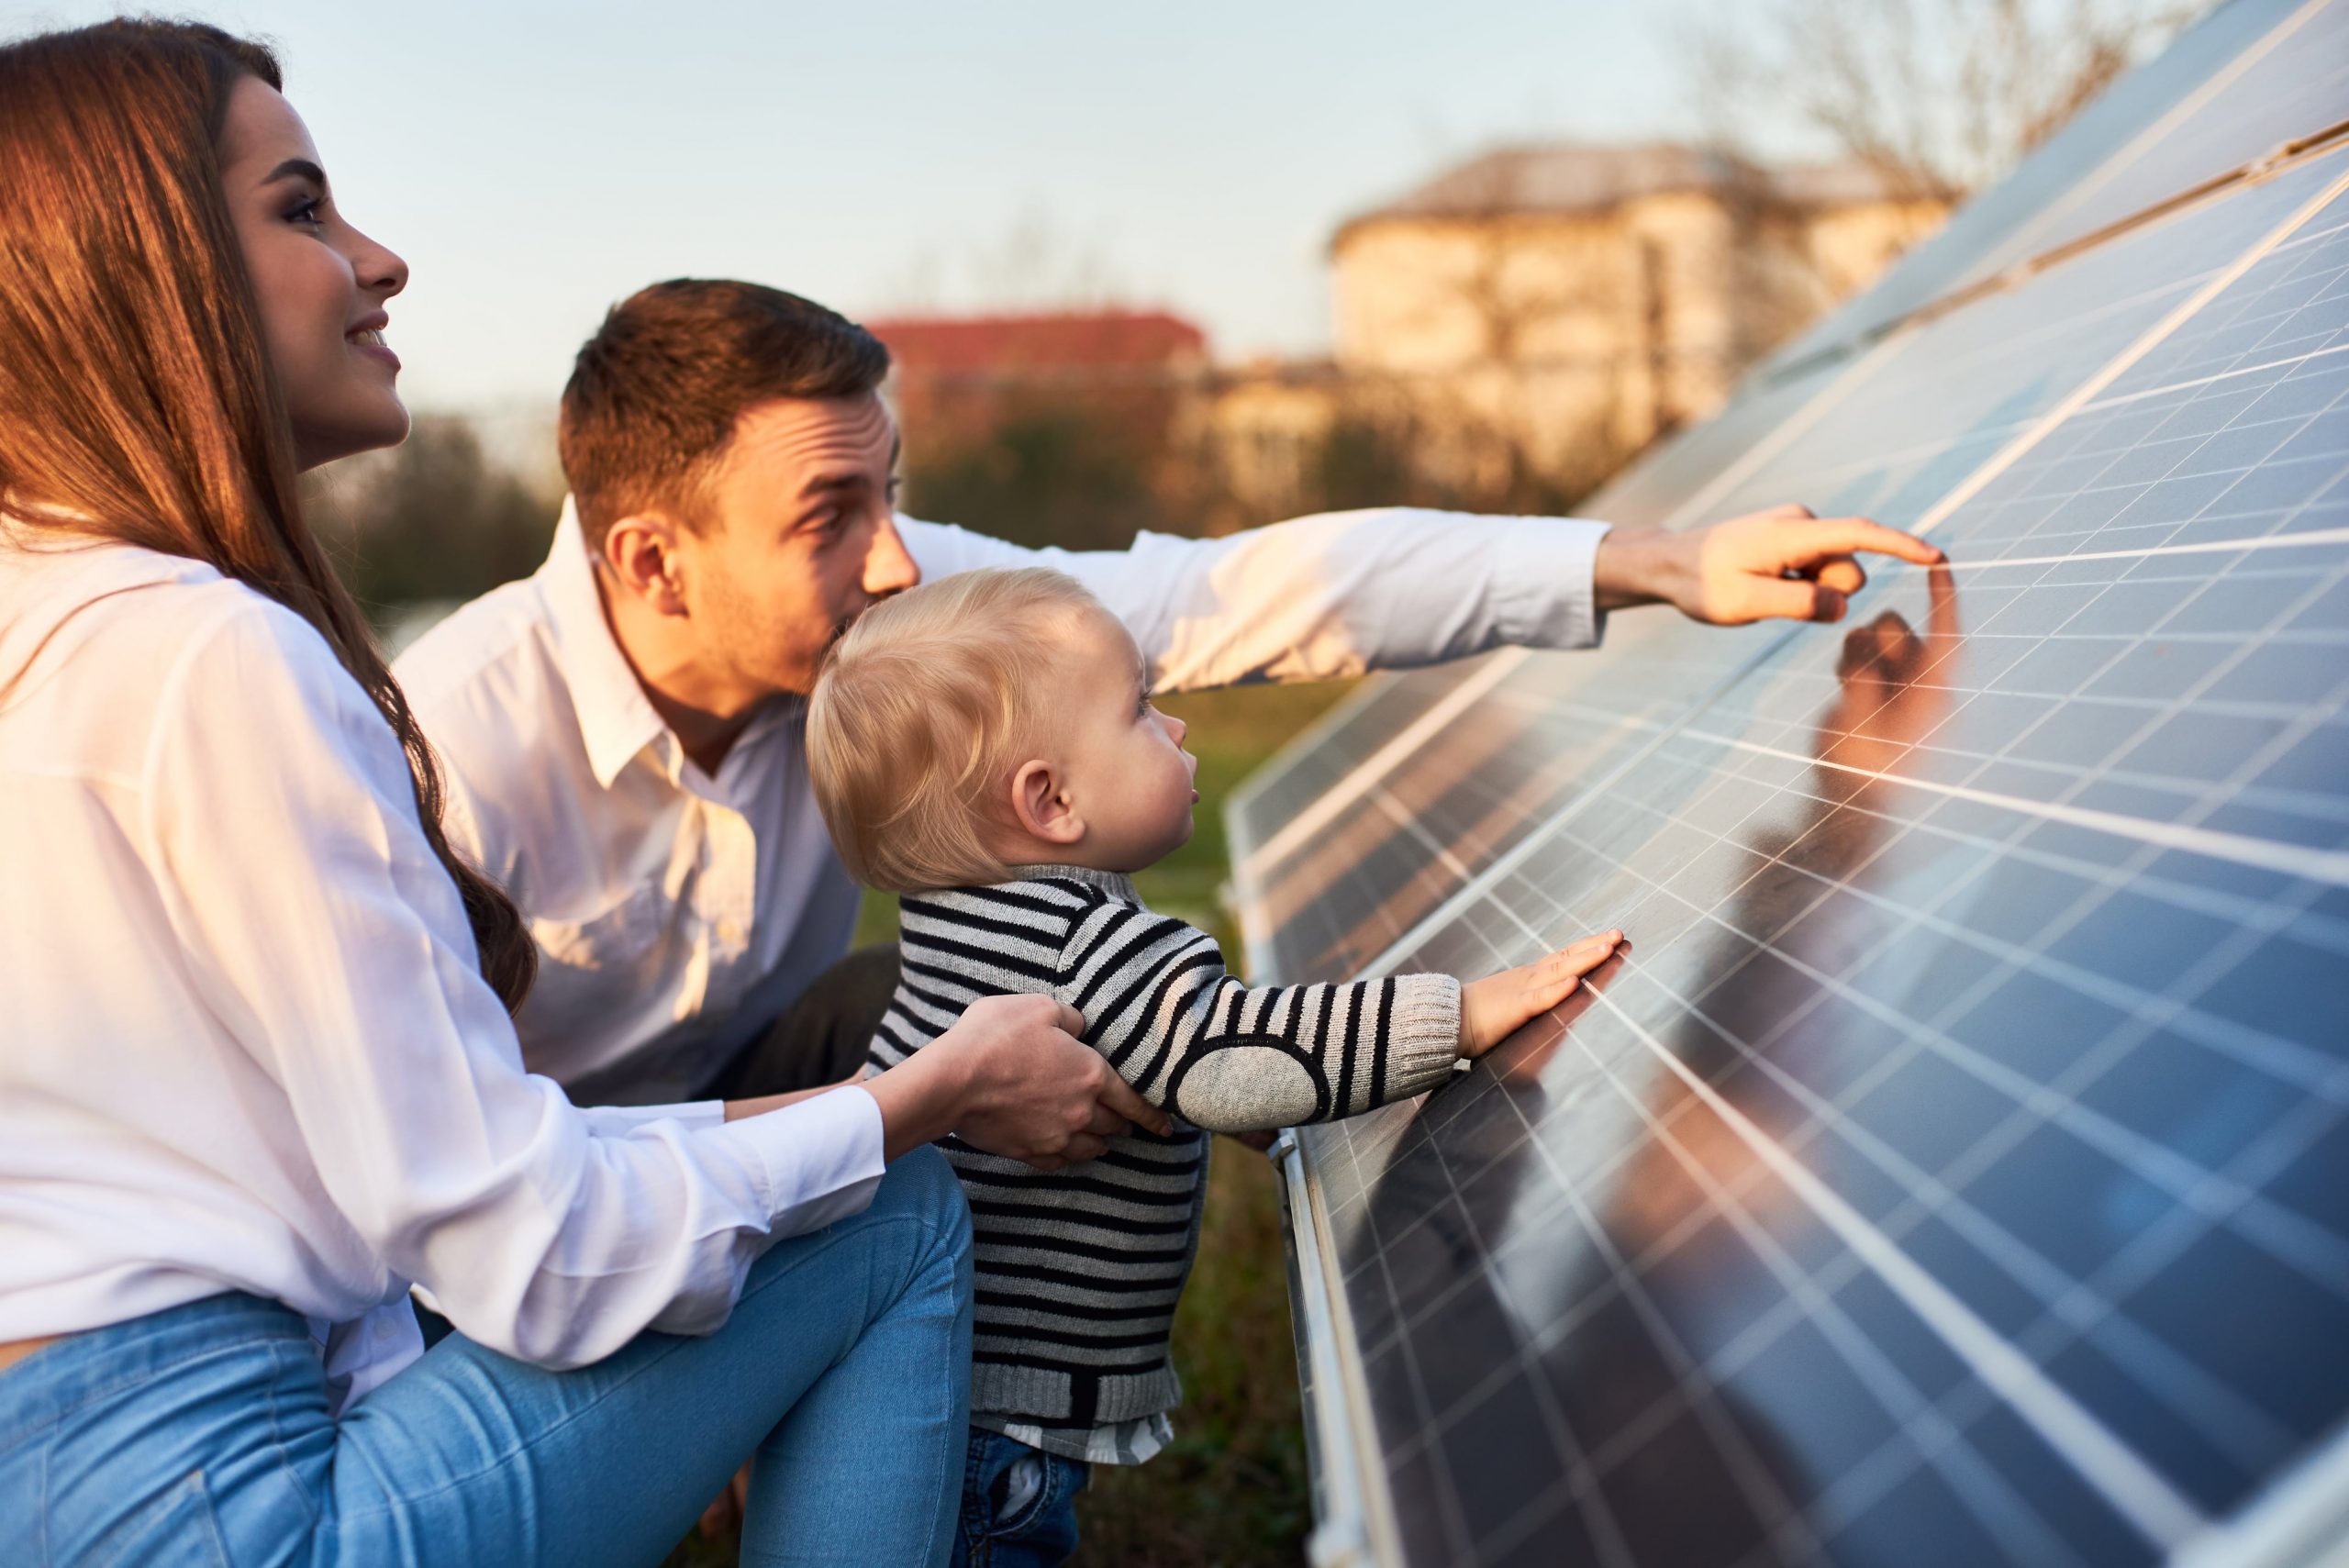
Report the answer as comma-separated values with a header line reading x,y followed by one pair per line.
x,y
1583,956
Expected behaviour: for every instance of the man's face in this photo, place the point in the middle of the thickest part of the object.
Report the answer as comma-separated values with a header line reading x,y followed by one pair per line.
x,y
805,537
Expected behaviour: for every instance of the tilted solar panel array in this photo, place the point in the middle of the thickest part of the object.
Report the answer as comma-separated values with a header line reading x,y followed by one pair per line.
x,y
1956,1169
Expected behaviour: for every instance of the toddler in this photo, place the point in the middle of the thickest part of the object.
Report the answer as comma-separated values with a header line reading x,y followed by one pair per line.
x,y
986,746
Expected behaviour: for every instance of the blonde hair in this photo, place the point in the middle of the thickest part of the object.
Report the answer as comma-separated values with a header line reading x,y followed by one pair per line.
x,y
917,715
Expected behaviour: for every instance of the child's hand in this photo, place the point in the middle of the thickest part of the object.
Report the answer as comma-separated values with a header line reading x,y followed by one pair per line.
x,y
1495,1008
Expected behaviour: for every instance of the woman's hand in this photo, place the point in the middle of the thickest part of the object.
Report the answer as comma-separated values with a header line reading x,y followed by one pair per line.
x,y
1495,1008
1782,564
1012,1078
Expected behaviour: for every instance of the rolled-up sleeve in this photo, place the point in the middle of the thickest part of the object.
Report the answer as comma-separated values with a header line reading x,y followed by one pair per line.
x,y
321,928
1324,596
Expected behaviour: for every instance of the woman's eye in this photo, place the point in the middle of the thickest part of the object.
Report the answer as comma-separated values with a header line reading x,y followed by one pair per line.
x,y
306,213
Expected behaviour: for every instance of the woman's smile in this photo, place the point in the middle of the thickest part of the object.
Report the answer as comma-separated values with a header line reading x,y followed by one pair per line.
x,y
368,339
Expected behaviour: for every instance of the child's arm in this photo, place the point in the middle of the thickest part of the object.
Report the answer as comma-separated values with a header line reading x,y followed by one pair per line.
x,y
1231,1058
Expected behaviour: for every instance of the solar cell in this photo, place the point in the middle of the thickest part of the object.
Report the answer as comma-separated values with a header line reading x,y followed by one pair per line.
x,y
2247,78
1954,1169
1896,434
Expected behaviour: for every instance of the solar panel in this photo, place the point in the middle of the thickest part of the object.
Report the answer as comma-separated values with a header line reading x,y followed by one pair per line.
x,y
1956,1169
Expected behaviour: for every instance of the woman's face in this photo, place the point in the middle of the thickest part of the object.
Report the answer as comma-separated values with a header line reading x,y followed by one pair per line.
x,y
321,283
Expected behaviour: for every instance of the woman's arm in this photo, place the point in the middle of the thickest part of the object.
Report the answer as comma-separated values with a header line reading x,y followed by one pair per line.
x,y
320,930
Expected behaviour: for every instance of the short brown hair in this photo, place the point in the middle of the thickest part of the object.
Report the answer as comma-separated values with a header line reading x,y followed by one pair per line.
x,y
654,394
920,711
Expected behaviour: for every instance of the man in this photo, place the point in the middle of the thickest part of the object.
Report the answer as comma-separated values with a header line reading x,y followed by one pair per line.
x,y
621,731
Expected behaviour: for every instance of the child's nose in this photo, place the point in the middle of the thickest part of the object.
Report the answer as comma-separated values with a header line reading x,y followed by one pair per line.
x,y
1175,727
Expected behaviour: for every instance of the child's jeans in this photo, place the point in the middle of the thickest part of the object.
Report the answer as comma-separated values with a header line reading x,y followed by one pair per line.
x,y
1018,1505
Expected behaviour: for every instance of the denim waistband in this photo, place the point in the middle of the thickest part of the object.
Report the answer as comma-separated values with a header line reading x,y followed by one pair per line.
x,y
58,1378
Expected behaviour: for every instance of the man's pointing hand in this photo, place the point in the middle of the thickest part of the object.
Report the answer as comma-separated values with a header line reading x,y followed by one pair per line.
x,y
1782,564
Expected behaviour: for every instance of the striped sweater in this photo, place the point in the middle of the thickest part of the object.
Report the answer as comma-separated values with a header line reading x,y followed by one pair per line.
x,y
1078,1270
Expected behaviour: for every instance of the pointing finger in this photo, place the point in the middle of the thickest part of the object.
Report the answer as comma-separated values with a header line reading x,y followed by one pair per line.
x,y
1842,536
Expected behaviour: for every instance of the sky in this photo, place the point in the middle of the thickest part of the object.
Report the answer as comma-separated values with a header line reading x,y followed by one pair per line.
x,y
536,162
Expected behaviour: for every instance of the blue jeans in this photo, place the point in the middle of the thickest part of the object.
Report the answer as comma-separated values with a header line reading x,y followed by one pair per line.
x,y
1018,1505
200,1435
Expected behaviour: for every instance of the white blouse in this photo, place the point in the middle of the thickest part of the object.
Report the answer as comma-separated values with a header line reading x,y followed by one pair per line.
x,y
244,1044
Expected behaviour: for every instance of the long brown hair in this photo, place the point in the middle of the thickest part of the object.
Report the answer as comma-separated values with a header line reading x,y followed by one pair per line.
x,y
136,391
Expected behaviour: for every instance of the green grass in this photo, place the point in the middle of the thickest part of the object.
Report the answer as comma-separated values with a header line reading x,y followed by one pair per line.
x,y
1232,1490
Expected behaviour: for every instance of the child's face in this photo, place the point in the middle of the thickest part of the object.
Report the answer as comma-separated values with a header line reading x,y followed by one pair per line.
x,y
1122,761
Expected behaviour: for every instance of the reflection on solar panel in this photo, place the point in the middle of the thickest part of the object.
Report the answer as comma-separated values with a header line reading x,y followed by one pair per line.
x,y
1956,1170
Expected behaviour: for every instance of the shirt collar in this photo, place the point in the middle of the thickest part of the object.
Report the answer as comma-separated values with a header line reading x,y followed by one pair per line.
x,y
1114,882
616,720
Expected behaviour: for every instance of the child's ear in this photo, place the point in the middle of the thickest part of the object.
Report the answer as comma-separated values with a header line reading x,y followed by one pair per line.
x,y
1043,805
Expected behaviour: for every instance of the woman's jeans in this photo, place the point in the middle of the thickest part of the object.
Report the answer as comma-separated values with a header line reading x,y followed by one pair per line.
x,y
200,1435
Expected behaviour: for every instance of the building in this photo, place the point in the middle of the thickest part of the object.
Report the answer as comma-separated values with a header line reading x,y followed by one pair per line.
x,y
1544,311
1066,429
958,377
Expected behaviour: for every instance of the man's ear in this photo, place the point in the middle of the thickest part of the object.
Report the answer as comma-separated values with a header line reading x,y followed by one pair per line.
x,y
640,553
1042,805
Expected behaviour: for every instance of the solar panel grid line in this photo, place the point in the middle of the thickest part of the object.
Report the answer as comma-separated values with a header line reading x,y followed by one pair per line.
x,y
2331,866
2159,644
1489,673
1750,1475
1962,260
2197,1190
2156,1509
2201,547
1577,1475
1323,727
2192,1182
2180,115
2307,1070
2303,1523
1935,1437
1699,506
2120,364
1692,1010
2282,156
2006,457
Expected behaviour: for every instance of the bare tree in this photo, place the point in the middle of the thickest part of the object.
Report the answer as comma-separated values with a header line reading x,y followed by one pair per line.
x,y
1938,96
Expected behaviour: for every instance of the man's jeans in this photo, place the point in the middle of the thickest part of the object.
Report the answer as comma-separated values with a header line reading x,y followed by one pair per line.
x,y
1019,1507
200,1435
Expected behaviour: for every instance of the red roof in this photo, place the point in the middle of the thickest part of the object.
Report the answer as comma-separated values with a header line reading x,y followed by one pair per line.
x,y
949,345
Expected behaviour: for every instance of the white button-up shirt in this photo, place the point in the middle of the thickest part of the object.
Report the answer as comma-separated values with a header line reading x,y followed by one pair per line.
x,y
246,1046
677,913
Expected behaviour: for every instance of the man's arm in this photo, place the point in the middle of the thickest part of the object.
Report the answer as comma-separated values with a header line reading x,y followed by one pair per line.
x,y
1397,587
1322,596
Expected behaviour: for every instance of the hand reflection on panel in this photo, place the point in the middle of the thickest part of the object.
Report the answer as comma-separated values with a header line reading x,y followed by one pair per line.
x,y
1620,1288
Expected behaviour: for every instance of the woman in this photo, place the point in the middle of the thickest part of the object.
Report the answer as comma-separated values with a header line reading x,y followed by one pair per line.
x,y
259,1074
